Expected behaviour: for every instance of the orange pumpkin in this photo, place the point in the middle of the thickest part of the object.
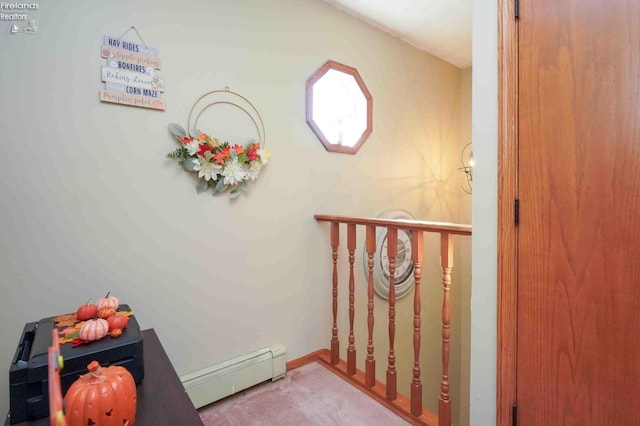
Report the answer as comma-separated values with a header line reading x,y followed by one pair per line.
x,y
94,330
105,313
116,332
106,396
87,311
108,302
118,321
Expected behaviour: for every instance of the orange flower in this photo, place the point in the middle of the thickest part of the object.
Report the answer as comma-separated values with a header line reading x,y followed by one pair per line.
x,y
202,136
239,150
220,156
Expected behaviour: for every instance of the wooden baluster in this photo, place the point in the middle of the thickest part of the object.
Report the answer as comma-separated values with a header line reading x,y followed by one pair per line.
x,y
416,385
392,252
370,365
335,242
351,351
446,262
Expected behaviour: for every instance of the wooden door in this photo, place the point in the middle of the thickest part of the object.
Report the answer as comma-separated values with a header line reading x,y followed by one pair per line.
x,y
578,289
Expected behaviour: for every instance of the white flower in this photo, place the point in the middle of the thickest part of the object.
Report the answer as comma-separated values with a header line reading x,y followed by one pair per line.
x,y
264,155
207,169
233,172
192,147
253,170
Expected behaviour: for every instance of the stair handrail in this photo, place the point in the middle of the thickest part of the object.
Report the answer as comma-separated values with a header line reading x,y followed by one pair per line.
x,y
427,226
410,409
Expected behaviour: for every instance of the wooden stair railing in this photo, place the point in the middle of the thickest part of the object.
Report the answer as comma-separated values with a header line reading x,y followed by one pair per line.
x,y
412,408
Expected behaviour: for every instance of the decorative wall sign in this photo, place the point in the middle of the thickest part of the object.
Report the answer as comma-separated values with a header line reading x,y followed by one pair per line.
x,y
220,165
132,90
114,54
131,78
133,100
130,46
130,74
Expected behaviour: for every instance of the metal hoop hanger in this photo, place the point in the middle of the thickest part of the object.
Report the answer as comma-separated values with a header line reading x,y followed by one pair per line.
x,y
258,124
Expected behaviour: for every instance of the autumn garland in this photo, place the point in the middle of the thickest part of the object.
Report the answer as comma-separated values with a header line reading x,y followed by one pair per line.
x,y
219,165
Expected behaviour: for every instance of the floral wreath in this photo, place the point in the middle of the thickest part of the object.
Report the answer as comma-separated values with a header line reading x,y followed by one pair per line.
x,y
219,165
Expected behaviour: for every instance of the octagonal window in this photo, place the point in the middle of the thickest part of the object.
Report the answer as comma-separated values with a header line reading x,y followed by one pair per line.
x,y
339,107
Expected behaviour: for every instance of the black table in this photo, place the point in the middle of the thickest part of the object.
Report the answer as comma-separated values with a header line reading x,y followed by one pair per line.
x,y
161,396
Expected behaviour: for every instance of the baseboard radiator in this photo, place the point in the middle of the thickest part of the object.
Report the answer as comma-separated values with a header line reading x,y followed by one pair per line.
x,y
219,381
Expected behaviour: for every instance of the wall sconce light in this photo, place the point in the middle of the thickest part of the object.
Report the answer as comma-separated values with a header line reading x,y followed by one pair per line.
x,y
466,158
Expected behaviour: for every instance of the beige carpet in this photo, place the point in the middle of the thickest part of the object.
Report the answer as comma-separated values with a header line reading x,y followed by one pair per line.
x,y
309,395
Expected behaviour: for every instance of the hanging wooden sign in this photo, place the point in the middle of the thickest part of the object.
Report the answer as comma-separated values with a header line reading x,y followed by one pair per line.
x,y
133,100
114,54
130,78
132,90
130,73
131,67
130,46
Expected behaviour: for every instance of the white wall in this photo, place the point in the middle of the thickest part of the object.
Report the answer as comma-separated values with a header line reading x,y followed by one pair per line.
x,y
90,203
485,214
464,247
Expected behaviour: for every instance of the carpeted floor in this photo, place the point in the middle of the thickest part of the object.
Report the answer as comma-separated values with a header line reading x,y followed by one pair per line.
x,y
308,396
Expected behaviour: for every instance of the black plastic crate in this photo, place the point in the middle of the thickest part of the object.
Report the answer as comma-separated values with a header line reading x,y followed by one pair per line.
x,y
28,381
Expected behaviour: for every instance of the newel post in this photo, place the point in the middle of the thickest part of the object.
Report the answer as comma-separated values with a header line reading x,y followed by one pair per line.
x,y
335,242
446,262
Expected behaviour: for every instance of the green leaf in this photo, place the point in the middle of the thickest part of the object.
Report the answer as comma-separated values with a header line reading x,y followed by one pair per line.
x,y
242,158
208,155
181,152
188,164
234,193
220,186
244,187
177,131
203,185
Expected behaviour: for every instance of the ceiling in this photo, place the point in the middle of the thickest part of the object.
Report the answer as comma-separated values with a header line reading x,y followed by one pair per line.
x,y
439,27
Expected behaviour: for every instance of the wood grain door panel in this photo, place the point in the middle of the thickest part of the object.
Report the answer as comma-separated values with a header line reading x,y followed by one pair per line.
x,y
578,360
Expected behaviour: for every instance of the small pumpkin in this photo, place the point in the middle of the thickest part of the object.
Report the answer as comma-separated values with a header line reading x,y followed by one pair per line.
x,y
86,311
116,332
108,302
106,396
94,330
118,321
105,313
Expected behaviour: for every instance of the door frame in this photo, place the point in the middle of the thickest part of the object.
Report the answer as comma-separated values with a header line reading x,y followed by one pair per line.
x,y
507,302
